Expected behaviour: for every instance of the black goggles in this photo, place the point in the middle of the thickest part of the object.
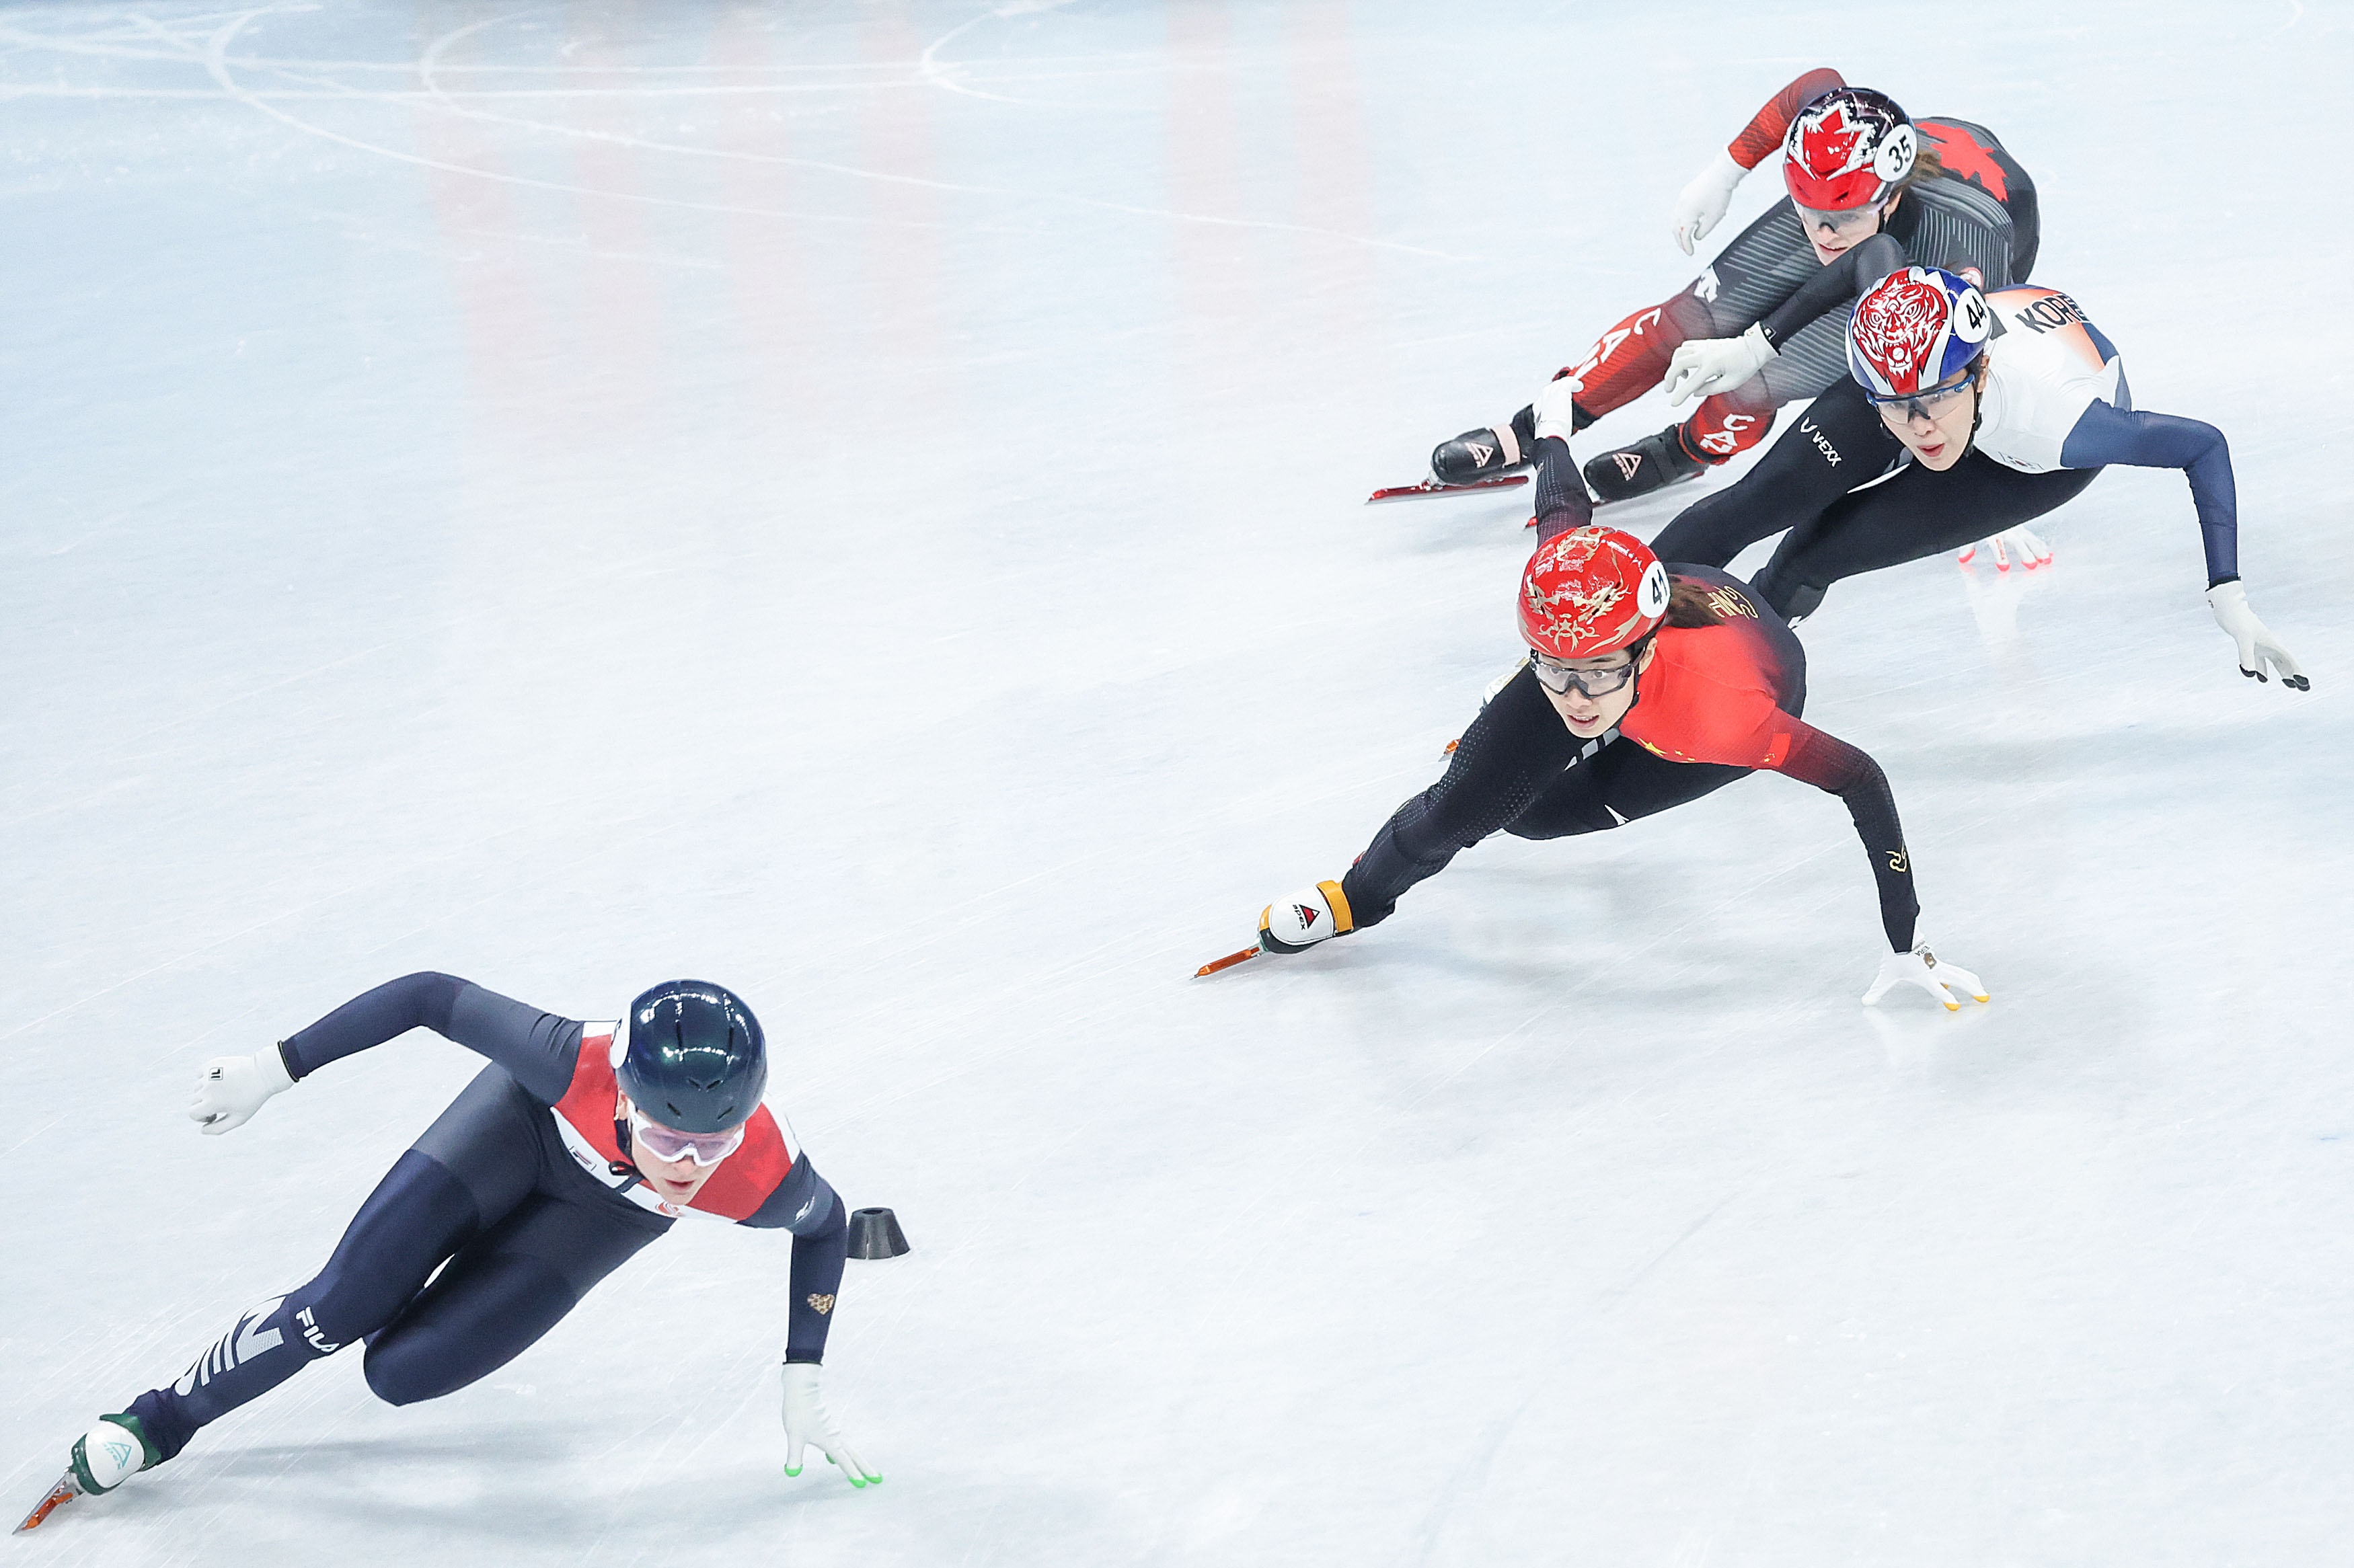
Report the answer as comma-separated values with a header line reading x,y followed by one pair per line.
x,y
1561,679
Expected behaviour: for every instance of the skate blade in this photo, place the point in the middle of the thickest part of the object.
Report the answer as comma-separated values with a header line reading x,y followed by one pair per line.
x,y
1432,487
1229,961
64,1492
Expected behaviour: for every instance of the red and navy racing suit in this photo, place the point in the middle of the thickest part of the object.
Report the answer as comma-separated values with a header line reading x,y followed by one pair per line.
x,y
1980,216
521,1194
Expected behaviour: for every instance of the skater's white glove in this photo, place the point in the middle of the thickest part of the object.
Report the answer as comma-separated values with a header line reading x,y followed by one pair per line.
x,y
2257,644
1920,967
233,1088
2024,543
806,1422
1305,918
1554,406
1701,206
1706,364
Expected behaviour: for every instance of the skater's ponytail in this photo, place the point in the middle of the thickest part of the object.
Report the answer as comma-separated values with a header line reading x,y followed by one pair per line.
x,y
1926,165
1688,606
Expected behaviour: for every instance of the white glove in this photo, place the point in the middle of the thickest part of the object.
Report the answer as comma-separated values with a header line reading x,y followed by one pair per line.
x,y
1920,967
806,1422
233,1088
2024,543
2230,602
1705,365
1701,206
1553,405
1305,918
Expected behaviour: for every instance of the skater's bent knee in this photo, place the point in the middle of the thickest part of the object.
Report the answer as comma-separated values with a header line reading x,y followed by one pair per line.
x,y
408,1369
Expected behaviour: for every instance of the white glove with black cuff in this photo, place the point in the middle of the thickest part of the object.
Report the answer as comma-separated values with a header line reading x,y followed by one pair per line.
x,y
1701,204
233,1088
2257,645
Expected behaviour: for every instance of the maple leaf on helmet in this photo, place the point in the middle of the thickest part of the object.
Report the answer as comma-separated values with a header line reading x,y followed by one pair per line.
x,y
1847,148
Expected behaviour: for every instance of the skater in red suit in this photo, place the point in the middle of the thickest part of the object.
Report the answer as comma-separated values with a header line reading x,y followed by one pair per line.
x,y
579,1145
1942,192
1644,686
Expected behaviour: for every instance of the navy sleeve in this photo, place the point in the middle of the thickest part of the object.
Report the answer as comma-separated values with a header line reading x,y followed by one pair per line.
x,y
805,1203
538,1049
2106,434
1835,286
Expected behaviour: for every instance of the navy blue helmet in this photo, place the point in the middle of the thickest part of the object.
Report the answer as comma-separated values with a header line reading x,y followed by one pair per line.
x,y
695,1059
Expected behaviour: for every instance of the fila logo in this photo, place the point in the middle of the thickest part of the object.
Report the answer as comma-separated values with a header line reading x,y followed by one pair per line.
x,y
239,1345
1831,452
1480,454
318,1341
1306,916
822,1303
1628,463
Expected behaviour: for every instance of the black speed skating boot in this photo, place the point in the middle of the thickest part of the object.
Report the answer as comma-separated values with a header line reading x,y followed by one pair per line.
x,y
1488,453
1643,467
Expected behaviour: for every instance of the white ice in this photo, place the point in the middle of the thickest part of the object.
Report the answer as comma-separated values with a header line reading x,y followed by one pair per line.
x,y
863,502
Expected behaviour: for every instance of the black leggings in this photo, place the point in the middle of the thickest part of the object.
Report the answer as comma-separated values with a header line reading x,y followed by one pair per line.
x,y
517,1238
1804,484
1621,783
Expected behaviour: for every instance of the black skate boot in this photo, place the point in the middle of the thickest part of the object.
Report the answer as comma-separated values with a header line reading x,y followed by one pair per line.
x,y
1646,466
1487,454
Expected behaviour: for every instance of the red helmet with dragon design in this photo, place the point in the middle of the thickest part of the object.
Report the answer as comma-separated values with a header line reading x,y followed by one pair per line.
x,y
1591,590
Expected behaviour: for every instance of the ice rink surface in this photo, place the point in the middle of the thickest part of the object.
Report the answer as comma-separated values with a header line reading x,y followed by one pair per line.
x,y
862,503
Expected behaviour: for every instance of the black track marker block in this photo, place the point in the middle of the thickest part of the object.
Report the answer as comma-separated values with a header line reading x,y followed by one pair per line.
x,y
876,1232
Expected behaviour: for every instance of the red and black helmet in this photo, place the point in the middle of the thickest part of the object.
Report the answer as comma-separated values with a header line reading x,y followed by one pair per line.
x,y
1847,148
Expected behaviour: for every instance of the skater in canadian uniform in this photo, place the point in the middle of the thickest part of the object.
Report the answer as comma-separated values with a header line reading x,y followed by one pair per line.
x,y
579,1144
1644,686
1943,192
1965,414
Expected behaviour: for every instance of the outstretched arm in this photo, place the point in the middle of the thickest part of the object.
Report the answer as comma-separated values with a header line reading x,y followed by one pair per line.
x,y
1702,365
1763,135
538,1049
1829,763
1702,203
2106,434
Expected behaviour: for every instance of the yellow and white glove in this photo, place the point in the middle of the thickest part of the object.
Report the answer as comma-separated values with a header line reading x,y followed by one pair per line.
x,y
1304,919
1920,967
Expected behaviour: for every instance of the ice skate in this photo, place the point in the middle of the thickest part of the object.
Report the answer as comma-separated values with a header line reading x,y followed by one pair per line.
x,y
1650,465
113,1450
